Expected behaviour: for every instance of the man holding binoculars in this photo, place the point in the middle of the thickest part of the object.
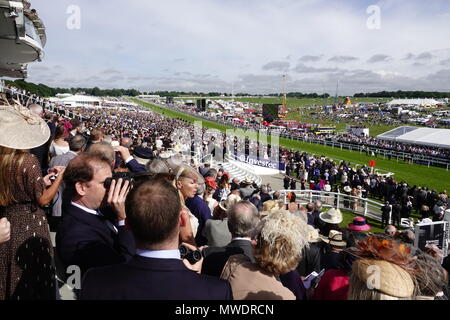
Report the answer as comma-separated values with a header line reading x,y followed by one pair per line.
x,y
154,215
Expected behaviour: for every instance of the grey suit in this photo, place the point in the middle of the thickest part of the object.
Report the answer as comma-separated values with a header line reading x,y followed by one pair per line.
x,y
217,233
247,191
217,257
61,160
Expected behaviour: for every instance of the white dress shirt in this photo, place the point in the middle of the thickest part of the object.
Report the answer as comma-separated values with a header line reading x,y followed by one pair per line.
x,y
97,213
159,254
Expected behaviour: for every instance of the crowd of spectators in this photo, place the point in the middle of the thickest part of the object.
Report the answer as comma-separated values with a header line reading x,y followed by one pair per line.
x,y
366,142
142,221
322,174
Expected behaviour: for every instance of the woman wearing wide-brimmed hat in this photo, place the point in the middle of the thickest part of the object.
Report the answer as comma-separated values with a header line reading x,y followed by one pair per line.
x,y
347,190
334,244
330,220
26,267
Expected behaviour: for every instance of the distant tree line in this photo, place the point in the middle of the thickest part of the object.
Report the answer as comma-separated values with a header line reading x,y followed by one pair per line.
x,y
405,94
46,91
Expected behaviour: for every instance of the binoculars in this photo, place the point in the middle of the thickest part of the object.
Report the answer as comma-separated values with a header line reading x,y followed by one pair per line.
x,y
193,256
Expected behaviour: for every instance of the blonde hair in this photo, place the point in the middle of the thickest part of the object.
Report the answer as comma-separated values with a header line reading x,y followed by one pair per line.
x,y
280,238
9,160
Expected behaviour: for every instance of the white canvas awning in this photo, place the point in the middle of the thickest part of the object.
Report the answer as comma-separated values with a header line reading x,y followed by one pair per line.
x,y
439,138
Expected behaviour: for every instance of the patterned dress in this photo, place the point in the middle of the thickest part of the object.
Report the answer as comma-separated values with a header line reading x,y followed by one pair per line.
x,y
26,264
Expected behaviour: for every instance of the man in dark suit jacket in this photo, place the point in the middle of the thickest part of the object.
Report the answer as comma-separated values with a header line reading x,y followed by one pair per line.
x,y
143,154
76,146
86,237
156,272
242,219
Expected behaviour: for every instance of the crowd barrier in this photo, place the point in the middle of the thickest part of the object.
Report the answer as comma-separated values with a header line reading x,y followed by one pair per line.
x,y
357,205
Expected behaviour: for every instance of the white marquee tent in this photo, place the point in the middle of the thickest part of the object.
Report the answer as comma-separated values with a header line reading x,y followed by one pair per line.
x,y
414,102
439,138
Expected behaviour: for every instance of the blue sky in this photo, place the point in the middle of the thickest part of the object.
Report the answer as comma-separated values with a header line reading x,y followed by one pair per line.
x,y
214,45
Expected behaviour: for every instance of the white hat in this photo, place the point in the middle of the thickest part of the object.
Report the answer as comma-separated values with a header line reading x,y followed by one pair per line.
x,y
247,180
230,201
333,216
21,129
347,189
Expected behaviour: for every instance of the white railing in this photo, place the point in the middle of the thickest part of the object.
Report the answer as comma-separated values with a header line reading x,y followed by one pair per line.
x,y
361,206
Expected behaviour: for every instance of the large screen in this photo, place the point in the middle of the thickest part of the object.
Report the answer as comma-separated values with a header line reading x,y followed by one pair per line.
x,y
270,112
432,233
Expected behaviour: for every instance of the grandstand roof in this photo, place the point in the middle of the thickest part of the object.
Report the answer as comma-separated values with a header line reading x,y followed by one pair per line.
x,y
420,136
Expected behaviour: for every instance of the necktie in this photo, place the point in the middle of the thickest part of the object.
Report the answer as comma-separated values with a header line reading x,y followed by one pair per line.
x,y
108,223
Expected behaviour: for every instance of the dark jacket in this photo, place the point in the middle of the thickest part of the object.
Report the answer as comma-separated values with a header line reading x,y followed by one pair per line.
x,y
135,166
151,279
88,241
201,211
216,257
310,260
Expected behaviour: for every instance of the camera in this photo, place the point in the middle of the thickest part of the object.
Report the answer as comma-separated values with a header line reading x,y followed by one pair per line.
x,y
119,175
193,256
53,178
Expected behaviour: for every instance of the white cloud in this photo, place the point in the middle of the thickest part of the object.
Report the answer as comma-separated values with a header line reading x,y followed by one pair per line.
x,y
276,66
230,39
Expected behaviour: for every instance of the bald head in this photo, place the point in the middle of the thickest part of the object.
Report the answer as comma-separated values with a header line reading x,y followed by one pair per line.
x,y
318,205
390,230
104,149
77,143
126,142
242,219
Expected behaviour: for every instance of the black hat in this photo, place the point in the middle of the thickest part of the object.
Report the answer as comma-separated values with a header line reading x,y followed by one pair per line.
x,y
142,155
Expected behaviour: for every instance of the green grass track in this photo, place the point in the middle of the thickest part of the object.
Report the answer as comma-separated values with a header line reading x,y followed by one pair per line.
x,y
414,174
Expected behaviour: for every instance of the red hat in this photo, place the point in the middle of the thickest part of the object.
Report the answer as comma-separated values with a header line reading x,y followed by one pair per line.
x,y
211,182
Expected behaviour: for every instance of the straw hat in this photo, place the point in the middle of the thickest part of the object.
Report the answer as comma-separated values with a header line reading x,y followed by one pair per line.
x,y
229,202
21,129
271,206
334,239
359,224
394,281
333,216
